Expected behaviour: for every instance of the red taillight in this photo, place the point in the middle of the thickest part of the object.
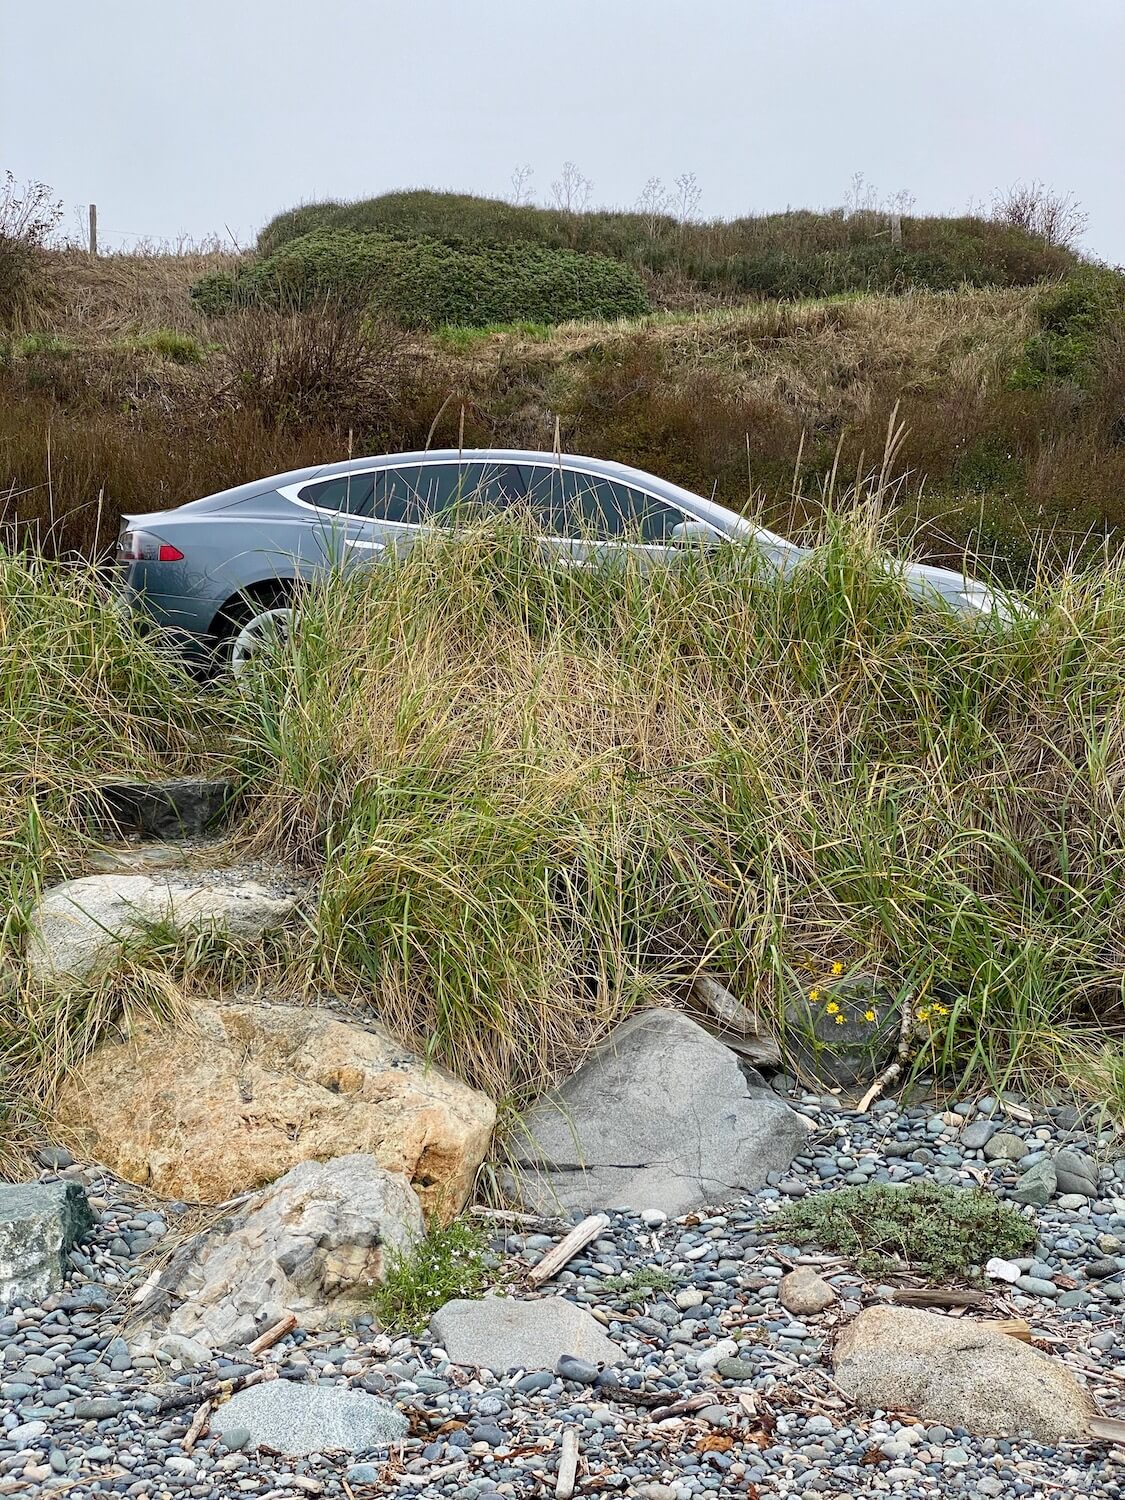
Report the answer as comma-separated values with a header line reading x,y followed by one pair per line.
x,y
142,546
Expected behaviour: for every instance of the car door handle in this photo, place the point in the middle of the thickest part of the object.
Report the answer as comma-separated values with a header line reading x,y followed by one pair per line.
x,y
365,546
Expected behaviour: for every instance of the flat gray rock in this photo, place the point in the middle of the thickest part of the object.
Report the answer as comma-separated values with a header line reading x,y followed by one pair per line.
x,y
298,1419
39,1223
661,1116
79,928
501,1333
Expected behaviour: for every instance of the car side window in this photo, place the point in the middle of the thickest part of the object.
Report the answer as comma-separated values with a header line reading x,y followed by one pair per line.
x,y
350,493
424,493
604,508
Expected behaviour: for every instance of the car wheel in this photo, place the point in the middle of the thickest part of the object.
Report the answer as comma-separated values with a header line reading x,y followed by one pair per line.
x,y
262,634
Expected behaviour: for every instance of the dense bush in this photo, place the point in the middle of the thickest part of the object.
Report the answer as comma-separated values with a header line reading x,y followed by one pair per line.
x,y
792,254
1074,319
426,283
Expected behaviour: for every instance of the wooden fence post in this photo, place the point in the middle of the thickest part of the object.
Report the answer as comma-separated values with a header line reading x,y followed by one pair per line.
x,y
93,229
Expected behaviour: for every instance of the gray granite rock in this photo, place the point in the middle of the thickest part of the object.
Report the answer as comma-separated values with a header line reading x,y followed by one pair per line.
x,y
661,1116
78,928
503,1333
297,1419
958,1373
39,1225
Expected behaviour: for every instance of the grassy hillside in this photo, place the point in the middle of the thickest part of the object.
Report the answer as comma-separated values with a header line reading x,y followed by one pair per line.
x,y
794,254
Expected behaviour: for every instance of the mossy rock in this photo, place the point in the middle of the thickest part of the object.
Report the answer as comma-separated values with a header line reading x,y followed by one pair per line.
x,y
841,1031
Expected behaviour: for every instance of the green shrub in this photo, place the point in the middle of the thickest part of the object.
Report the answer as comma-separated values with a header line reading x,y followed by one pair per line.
x,y
1074,317
450,1262
932,1229
214,294
428,283
794,254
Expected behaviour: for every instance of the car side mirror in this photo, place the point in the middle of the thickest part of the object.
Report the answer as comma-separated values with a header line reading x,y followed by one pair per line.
x,y
693,532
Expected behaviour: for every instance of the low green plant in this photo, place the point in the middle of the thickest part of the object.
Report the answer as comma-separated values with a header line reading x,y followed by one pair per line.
x,y
932,1229
51,345
641,1285
451,1261
180,348
459,339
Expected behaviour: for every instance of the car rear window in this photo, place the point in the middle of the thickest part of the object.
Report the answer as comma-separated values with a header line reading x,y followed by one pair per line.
x,y
347,492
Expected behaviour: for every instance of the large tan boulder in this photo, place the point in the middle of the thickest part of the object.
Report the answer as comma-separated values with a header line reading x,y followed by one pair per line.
x,y
246,1091
959,1373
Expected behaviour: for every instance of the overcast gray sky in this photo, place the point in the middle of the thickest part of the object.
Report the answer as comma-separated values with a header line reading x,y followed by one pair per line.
x,y
185,116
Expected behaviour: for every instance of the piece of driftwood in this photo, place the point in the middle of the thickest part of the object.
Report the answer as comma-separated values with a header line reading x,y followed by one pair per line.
x,y
1015,1328
272,1334
741,1029
926,1296
214,1390
567,1248
1107,1429
197,1428
431,1474
568,1464
894,1068
512,1216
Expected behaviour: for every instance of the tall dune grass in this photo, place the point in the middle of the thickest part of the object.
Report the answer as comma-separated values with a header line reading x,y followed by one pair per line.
x,y
538,798
543,797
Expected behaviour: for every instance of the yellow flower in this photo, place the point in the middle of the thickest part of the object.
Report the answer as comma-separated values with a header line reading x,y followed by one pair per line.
x,y
832,1008
941,1010
869,1015
923,1013
837,968
839,1020
814,994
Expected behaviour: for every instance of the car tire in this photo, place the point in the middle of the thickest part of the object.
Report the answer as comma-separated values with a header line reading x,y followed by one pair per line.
x,y
257,626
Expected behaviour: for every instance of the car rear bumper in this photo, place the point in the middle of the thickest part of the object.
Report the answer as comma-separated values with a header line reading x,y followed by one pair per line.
x,y
184,619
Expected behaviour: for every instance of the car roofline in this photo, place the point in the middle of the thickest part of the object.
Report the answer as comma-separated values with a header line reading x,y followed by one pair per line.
x,y
604,467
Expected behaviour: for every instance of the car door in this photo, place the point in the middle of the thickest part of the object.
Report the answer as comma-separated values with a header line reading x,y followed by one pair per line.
x,y
591,520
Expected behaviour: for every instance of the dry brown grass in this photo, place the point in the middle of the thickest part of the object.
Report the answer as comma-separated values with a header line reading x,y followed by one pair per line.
x,y
106,297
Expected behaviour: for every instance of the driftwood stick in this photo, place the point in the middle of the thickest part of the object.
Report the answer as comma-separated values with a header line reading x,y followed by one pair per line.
x,y
197,1428
277,1331
440,1473
925,1296
567,1248
568,1464
902,1052
214,1389
1015,1328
